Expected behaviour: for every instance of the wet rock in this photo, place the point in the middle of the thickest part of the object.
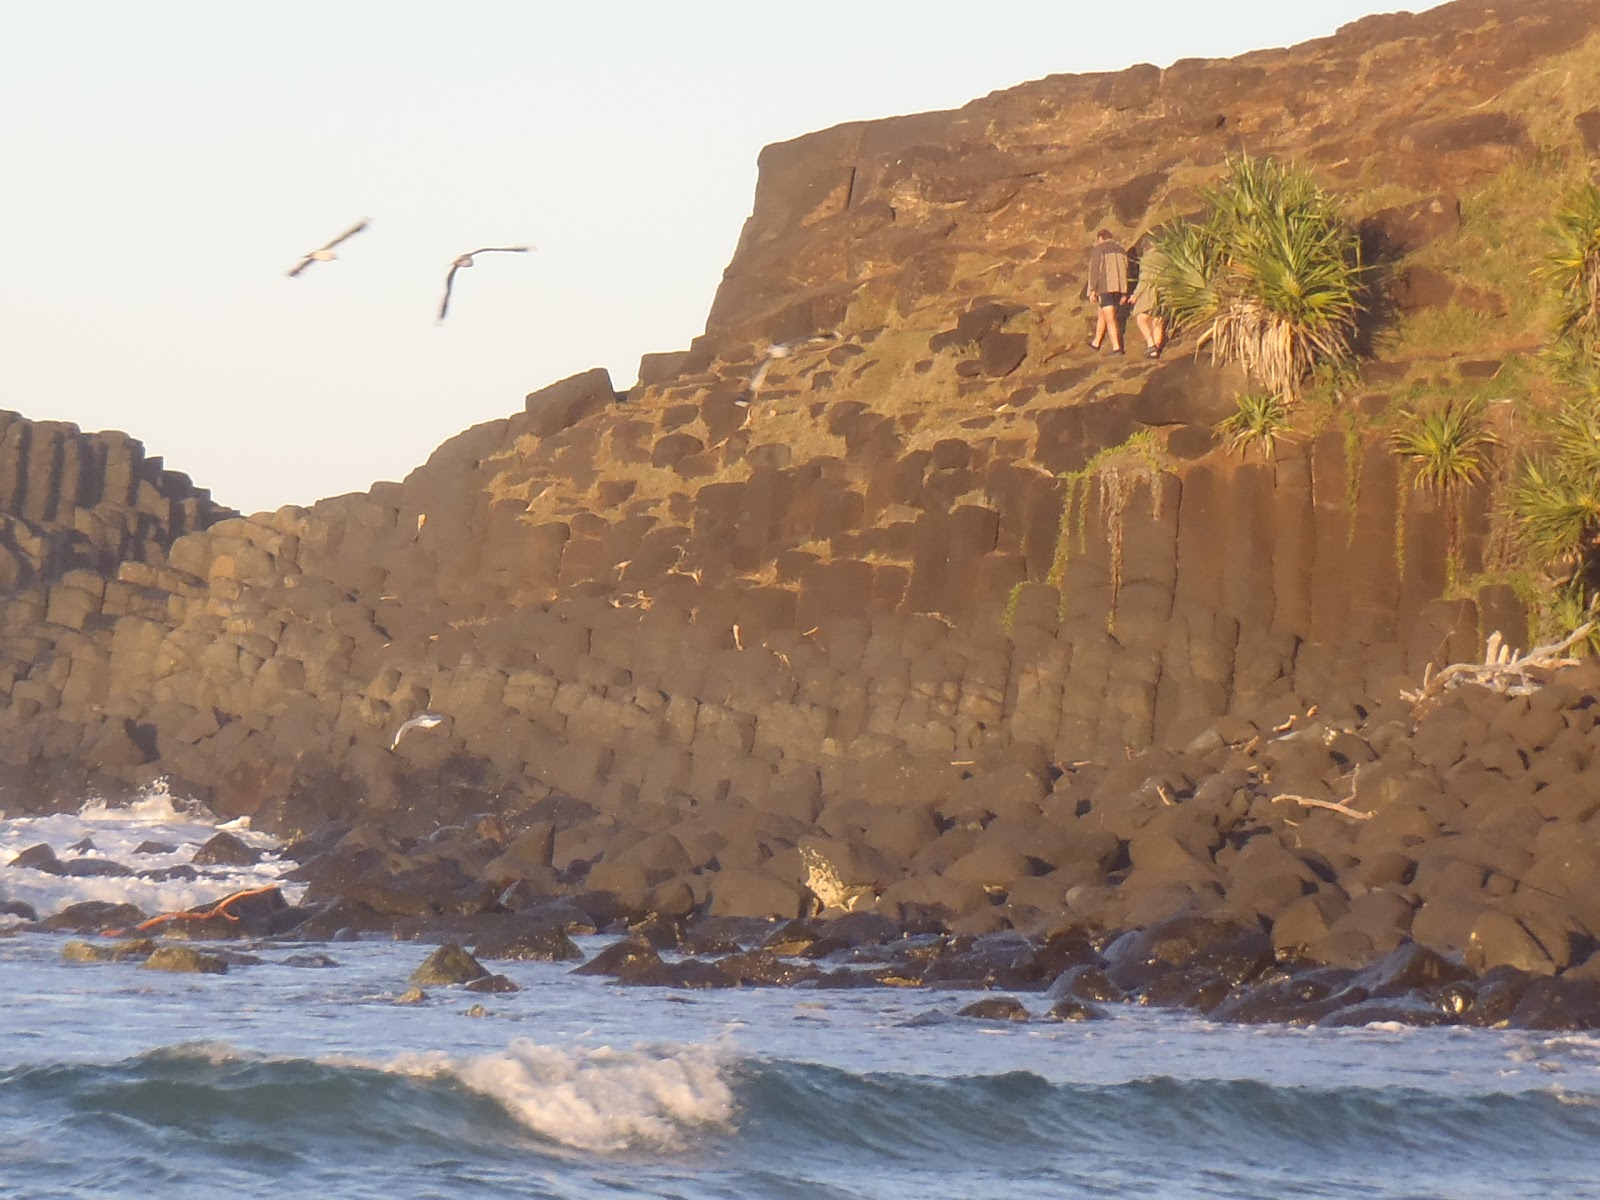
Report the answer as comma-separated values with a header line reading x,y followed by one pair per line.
x,y
1299,999
495,984
1413,1009
536,944
39,858
1409,968
148,847
1558,1004
94,868
862,929
184,960
447,965
1002,960
761,968
477,1010
995,1008
1196,988
624,960
412,995
92,916
313,961
84,952
1075,1010
1486,1002
19,908
687,973
791,939
662,932
224,849
1231,950
1085,982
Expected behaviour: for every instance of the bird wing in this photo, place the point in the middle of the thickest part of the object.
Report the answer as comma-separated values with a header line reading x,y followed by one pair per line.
x,y
348,233
300,266
449,281
500,250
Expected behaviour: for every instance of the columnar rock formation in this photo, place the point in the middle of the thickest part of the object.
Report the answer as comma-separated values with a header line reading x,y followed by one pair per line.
x,y
846,600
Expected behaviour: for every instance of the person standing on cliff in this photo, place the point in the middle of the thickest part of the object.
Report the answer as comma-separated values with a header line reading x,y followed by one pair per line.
x,y
1107,287
1146,304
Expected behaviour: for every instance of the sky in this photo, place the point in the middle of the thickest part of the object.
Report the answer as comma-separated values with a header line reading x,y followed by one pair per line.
x,y
167,162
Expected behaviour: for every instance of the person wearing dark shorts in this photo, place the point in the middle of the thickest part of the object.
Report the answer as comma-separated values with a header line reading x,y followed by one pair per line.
x,y
1107,288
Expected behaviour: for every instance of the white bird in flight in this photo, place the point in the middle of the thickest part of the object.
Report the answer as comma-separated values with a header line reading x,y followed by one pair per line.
x,y
782,350
465,260
325,253
425,720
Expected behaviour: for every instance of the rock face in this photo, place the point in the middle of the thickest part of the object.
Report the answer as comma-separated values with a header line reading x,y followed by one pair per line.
x,y
888,609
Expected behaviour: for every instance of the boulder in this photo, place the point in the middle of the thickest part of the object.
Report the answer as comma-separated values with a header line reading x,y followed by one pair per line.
x,y
447,965
184,960
995,1008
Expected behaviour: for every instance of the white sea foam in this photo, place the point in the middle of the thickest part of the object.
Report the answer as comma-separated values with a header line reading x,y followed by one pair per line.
x,y
115,833
592,1098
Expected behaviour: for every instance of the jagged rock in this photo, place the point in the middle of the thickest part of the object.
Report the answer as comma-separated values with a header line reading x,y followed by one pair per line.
x,y
528,944
447,965
224,849
93,916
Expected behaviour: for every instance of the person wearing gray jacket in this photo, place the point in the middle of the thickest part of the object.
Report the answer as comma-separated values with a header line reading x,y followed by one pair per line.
x,y
1107,288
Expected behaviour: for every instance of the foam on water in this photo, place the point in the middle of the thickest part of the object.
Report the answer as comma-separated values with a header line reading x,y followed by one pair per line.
x,y
591,1098
115,833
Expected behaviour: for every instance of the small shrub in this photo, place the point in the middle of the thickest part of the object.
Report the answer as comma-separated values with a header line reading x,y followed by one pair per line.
x,y
1573,267
1557,501
1261,422
1446,446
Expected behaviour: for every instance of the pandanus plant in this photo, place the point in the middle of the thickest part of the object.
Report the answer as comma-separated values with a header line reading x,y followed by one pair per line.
x,y
1271,275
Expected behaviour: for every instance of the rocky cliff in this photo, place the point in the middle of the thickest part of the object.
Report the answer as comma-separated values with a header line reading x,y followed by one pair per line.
x,y
887,554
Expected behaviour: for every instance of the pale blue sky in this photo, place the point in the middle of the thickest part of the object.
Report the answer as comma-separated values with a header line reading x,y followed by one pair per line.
x,y
166,162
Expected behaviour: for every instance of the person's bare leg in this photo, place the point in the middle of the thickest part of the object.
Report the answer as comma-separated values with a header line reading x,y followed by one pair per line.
x,y
1108,318
1146,329
1099,329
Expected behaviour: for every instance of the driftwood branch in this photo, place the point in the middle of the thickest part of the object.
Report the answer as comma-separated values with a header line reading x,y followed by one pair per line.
x,y
1339,806
1502,669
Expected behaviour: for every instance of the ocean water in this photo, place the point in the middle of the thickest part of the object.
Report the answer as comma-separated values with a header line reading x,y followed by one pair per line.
x,y
291,1080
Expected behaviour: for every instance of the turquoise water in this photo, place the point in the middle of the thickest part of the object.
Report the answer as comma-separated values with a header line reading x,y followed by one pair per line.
x,y
285,1080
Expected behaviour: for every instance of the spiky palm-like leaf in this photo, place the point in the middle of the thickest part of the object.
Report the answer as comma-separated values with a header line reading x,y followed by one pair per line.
x,y
1557,501
1573,265
1568,609
1272,276
1262,420
1446,446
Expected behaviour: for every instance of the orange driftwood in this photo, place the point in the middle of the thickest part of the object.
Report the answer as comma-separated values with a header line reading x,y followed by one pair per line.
x,y
219,909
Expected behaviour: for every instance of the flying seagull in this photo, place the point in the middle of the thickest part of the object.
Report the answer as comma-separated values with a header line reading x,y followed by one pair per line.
x,y
777,351
465,260
325,253
425,720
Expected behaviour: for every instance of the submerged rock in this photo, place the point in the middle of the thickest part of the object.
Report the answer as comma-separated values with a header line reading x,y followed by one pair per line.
x,y
494,984
995,1008
185,960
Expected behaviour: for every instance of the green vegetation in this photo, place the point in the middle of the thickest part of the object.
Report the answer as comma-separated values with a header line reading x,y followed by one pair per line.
x,y
1272,274
1573,267
1261,422
1557,501
1446,446
1117,470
